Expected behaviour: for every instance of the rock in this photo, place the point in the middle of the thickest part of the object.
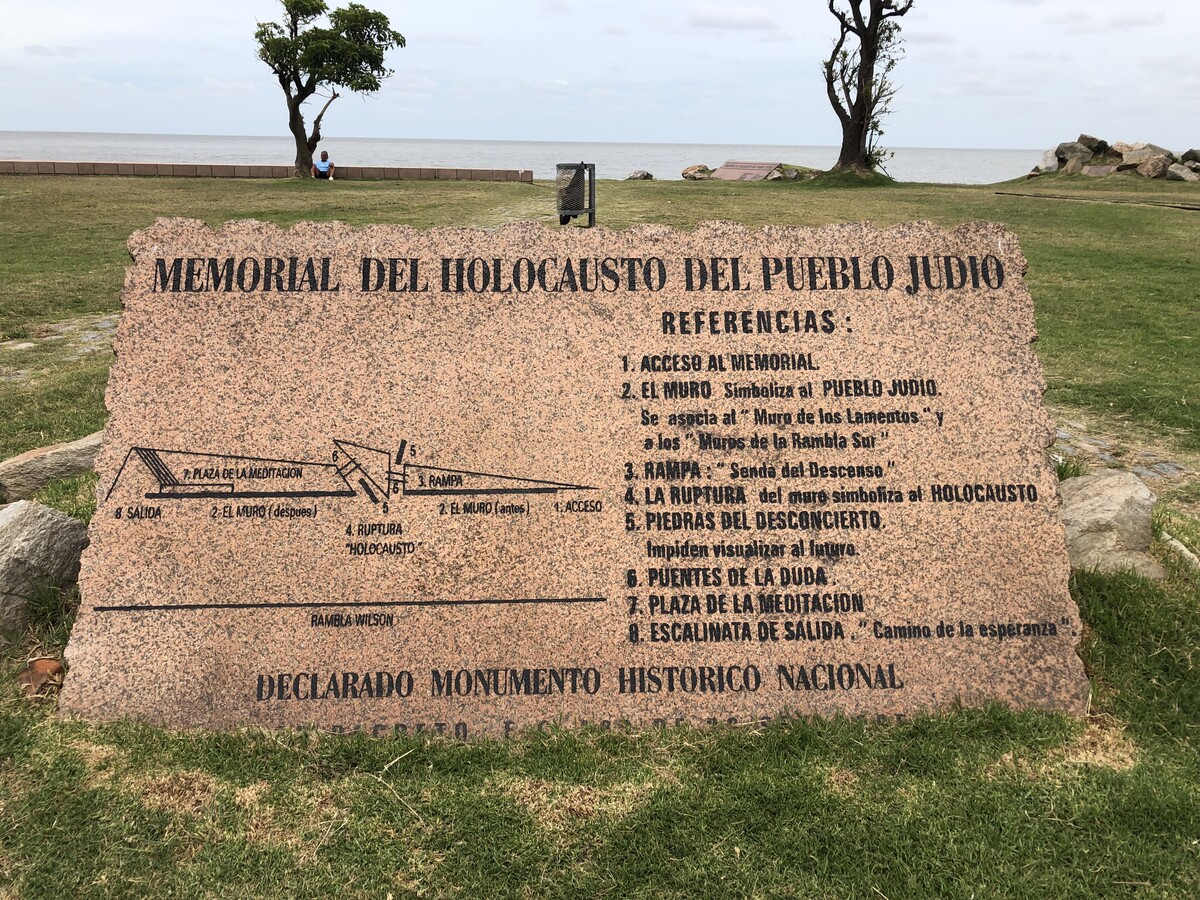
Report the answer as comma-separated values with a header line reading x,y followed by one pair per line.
x,y
1098,171
1155,167
1070,150
699,172
639,175
1074,166
1097,146
1194,166
1035,172
1049,162
1180,172
39,548
1107,518
1141,153
23,476
1121,147
1192,156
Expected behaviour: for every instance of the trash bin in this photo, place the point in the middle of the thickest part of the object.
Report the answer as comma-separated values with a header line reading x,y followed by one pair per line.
x,y
569,182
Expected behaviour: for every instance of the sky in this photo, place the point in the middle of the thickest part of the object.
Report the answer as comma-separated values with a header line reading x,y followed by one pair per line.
x,y
1015,74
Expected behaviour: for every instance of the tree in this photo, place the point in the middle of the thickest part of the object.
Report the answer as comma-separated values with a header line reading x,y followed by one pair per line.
x,y
348,54
857,77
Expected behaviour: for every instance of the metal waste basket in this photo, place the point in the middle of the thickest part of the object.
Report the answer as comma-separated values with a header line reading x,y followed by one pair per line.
x,y
569,182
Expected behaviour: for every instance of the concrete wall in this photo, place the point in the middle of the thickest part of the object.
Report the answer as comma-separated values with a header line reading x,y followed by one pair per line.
x,y
191,170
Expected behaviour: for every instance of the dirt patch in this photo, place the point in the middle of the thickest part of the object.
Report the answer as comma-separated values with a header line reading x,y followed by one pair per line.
x,y
1103,744
303,821
182,793
841,782
261,827
556,806
101,761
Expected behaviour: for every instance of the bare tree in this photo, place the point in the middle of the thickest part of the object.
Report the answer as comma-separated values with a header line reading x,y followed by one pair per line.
x,y
857,75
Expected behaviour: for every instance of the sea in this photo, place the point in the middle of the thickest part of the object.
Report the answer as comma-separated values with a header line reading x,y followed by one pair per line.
x,y
613,160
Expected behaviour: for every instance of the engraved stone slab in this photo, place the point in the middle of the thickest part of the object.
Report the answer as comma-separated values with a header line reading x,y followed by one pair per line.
x,y
736,170
472,482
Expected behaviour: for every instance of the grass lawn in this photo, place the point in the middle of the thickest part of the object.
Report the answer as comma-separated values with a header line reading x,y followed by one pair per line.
x,y
982,803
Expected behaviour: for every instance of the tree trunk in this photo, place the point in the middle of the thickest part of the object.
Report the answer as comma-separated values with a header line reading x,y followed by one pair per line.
x,y
304,150
854,145
855,131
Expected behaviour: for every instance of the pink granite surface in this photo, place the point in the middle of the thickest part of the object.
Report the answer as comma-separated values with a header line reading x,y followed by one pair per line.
x,y
643,485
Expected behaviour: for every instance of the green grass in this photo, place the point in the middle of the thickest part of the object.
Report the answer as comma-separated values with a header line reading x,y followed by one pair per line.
x,y
982,803
985,803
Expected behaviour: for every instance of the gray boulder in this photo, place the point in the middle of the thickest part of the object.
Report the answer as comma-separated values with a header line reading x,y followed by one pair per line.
x,y
1049,163
23,476
699,172
1155,167
39,548
1191,156
1162,151
1141,153
1074,165
1070,150
1098,171
1180,172
1194,166
639,175
1094,144
1107,519
1136,155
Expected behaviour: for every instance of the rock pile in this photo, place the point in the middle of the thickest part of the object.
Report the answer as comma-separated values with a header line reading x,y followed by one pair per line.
x,y
1091,156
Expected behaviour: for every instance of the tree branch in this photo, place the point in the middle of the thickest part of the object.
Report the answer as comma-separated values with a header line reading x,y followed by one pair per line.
x,y
315,138
856,11
841,17
891,11
835,76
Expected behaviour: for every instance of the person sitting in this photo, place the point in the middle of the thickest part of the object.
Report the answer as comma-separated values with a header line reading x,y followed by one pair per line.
x,y
323,167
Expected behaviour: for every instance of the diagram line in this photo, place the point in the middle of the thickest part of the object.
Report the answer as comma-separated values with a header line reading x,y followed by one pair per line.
x,y
294,462
483,601
446,492
113,487
245,495
557,484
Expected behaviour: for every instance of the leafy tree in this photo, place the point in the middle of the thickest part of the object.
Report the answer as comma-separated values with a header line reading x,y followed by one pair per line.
x,y
858,76
306,58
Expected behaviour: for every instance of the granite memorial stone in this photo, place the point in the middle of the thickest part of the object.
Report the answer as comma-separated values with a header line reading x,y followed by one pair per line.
x,y
469,482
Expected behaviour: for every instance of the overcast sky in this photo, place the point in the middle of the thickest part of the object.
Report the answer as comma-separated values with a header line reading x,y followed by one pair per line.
x,y
978,73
